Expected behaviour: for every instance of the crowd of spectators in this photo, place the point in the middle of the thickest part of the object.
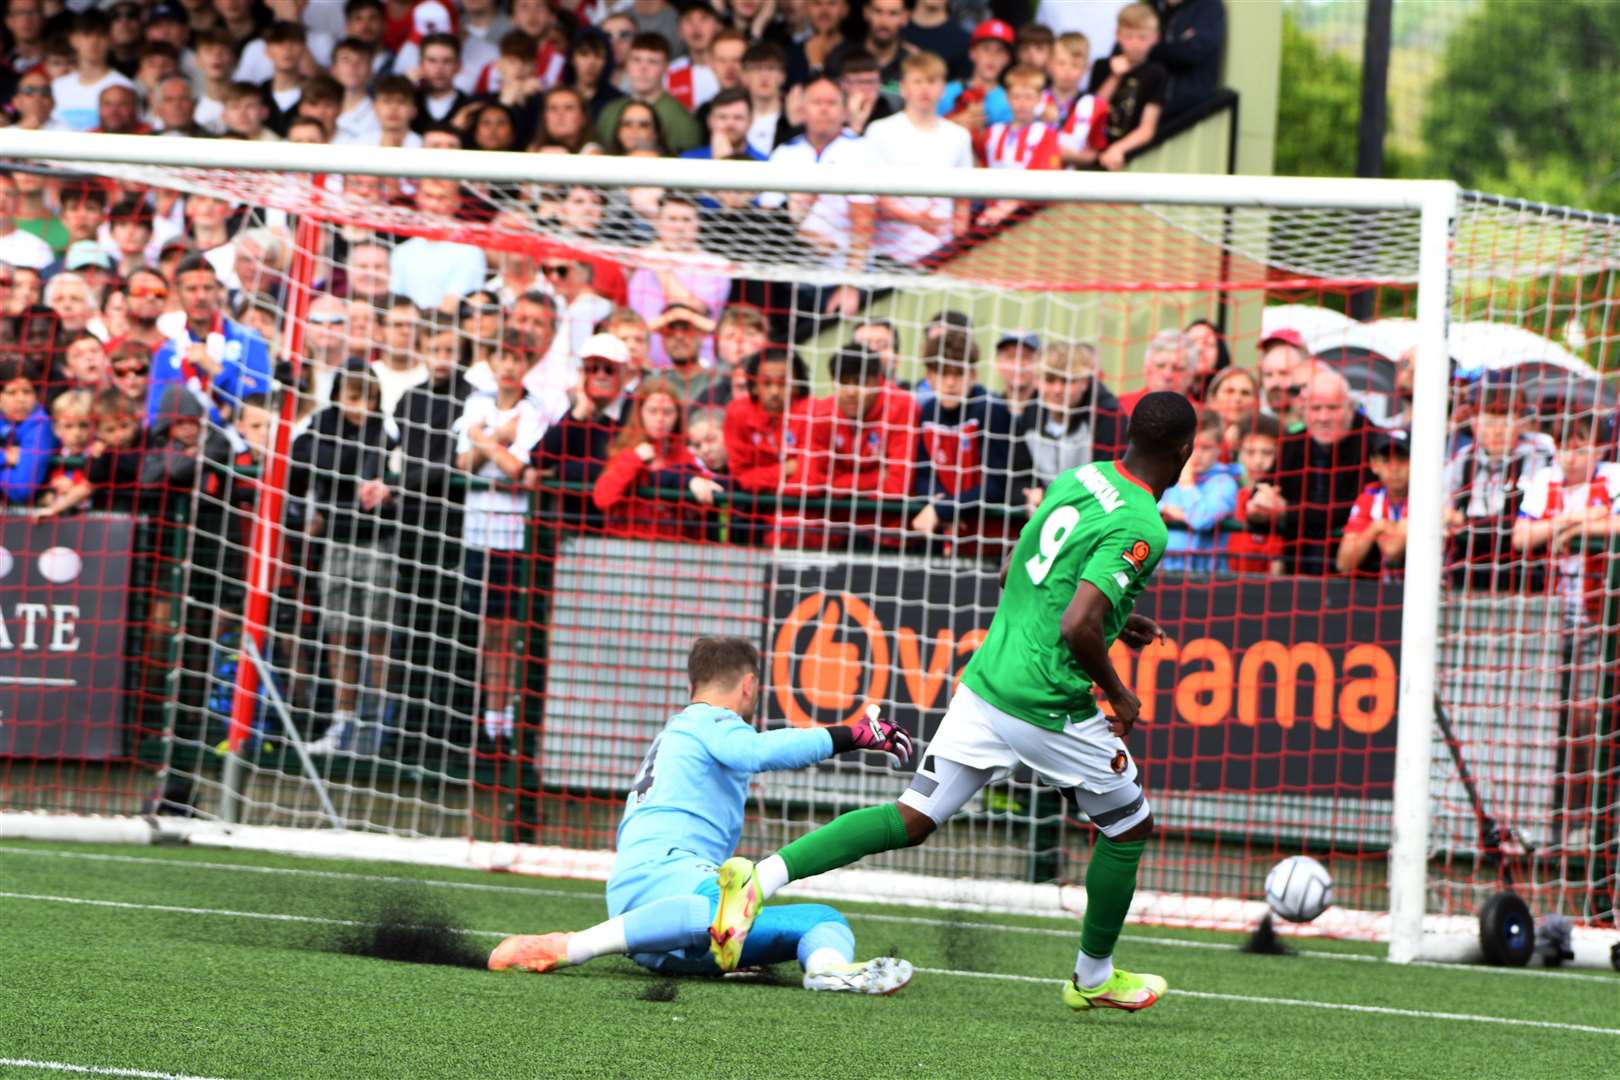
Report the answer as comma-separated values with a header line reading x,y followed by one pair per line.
x,y
441,383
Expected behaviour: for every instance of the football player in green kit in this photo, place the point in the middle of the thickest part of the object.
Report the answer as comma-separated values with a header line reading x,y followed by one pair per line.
x,y
1028,697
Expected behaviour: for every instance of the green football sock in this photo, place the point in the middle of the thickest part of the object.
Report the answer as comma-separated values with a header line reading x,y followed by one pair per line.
x,y
1110,884
844,840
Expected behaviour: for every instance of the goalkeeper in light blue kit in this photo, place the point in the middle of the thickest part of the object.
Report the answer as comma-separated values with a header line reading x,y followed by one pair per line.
x,y
683,818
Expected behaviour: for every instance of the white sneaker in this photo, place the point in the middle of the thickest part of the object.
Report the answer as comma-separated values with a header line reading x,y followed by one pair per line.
x,y
880,975
332,741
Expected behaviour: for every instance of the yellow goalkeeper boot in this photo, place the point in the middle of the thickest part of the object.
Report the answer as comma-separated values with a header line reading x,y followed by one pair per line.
x,y
531,952
1123,990
734,914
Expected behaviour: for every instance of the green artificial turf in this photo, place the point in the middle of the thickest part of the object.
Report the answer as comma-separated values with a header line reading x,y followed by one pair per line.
x,y
221,995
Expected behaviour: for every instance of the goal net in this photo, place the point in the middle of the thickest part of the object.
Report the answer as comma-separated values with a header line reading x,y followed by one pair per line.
x,y
443,550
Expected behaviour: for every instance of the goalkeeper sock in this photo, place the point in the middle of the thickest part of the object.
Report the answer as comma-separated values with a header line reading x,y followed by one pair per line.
x,y
828,944
844,840
676,922
1110,884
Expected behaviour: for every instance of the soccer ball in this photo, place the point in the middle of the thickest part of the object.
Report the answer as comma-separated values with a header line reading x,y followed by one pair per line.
x,y
1299,888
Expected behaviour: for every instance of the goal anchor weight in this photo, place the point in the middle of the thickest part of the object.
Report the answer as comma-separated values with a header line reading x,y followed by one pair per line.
x,y
1507,929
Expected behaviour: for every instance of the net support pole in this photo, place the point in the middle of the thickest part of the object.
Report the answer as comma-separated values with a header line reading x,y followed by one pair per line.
x,y
264,550
1420,613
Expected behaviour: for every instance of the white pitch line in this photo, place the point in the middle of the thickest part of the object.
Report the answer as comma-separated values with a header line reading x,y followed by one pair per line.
x,y
1381,1010
1299,1003
94,1070
903,920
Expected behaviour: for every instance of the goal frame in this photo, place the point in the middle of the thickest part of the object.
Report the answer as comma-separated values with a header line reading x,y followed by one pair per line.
x,y
1434,201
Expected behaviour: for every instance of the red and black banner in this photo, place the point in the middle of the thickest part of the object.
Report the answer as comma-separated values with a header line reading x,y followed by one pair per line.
x,y
64,591
1266,685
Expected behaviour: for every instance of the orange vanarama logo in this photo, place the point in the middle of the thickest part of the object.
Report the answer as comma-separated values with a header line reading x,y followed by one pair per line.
x,y
1119,763
1137,555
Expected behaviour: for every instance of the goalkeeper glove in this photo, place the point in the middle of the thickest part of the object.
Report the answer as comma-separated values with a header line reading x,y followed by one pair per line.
x,y
872,732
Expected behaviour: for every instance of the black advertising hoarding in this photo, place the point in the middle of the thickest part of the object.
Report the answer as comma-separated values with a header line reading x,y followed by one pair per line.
x,y
1267,684
64,593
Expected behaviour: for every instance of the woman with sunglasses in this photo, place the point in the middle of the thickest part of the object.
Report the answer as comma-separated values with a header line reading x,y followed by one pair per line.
x,y
638,128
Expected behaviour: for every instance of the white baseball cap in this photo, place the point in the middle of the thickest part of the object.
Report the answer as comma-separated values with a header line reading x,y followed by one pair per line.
x,y
605,347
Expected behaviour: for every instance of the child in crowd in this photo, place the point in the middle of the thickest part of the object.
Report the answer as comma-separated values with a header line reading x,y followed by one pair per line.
x,y
1032,46
113,458
759,427
706,435
1079,116
1194,508
1024,142
84,365
25,432
1133,86
966,449
1374,540
1252,552
68,483
1571,508
131,366
980,100
651,451
496,434
339,466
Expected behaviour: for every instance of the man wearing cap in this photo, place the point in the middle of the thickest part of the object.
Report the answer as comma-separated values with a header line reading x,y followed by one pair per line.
x,y
980,99
684,329
1321,471
1166,365
575,448
91,262
17,247
1374,540
1016,361
1280,352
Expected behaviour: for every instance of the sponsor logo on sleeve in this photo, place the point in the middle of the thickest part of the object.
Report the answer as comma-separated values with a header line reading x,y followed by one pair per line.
x,y
1137,555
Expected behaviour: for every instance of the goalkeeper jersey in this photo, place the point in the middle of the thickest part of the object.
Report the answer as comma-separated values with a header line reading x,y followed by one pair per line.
x,y
1099,524
689,792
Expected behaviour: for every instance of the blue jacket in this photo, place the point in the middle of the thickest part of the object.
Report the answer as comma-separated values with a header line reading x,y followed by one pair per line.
x,y
244,369
691,788
36,444
1206,506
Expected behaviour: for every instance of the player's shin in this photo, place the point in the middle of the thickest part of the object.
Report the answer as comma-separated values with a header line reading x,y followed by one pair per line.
x,y
1110,884
844,840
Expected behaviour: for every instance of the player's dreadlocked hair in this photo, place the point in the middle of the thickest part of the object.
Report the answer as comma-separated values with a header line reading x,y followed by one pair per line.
x,y
1162,422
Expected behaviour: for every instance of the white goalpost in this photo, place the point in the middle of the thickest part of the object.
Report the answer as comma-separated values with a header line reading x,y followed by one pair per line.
x,y
878,607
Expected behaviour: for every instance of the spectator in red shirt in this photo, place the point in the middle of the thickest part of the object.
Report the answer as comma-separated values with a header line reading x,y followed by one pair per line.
x,y
1166,365
760,426
651,451
858,440
1256,552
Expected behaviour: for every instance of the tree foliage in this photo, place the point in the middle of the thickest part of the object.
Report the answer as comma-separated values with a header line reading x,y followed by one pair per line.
x,y
1527,102
1318,108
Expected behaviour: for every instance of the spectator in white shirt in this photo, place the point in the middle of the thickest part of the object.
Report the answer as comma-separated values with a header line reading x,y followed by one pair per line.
x,y
399,365
78,93
429,270
919,142
18,248
840,226
357,119
582,307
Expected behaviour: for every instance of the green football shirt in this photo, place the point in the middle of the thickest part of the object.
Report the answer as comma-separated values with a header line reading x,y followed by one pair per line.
x,y
1097,523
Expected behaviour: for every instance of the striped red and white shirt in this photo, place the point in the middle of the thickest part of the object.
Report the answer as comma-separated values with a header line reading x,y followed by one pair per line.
x,y
1549,495
1027,146
1081,120
693,85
